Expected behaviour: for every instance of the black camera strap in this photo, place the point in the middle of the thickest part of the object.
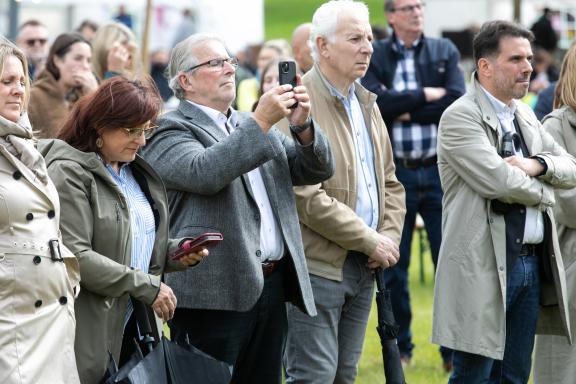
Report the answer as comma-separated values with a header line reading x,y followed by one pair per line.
x,y
523,146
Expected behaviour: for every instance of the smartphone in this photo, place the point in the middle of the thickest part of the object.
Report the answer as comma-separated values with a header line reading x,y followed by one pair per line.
x,y
287,75
204,240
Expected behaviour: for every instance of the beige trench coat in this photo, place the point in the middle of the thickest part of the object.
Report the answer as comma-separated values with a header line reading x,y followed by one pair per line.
x,y
470,291
96,226
36,293
555,358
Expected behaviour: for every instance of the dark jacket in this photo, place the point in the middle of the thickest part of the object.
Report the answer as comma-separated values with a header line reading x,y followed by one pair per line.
x,y
436,66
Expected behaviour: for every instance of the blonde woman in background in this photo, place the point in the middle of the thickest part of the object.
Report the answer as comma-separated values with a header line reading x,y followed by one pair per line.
x,y
554,360
115,52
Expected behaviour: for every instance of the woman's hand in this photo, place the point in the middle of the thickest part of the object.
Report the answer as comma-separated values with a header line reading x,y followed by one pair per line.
x,y
118,58
165,303
86,81
194,258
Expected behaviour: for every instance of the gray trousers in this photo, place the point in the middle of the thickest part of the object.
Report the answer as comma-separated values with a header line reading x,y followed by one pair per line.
x,y
326,348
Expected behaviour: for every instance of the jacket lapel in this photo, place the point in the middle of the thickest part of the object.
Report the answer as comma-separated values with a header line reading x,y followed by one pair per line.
x,y
196,116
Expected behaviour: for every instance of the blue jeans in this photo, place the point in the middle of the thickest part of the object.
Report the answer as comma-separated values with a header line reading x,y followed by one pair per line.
x,y
424,196
522,305
326,348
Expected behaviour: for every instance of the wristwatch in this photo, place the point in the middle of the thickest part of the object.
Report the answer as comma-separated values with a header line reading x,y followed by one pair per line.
x,y
298,129
543,162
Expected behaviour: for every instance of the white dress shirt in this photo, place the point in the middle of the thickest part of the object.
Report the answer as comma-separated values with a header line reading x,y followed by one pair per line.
x,y
534,226
271,240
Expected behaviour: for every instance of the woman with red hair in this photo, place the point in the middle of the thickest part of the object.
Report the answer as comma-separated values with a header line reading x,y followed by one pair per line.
x,y
114,219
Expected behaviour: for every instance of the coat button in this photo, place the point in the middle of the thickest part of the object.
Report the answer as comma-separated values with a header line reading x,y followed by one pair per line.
x,y
17,175
258,253
518,241
51,214
501,268
36,260
63,300
38,303
29,216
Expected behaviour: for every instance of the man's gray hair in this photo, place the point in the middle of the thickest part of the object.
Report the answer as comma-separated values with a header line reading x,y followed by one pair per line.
x,y
183,58
325,20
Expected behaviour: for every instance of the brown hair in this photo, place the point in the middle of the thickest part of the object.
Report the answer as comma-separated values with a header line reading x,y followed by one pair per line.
x,y
117,103
61,46
487,42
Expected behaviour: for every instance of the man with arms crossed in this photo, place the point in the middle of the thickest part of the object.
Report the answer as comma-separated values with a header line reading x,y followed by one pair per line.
x,y
352,222
233,173
500,268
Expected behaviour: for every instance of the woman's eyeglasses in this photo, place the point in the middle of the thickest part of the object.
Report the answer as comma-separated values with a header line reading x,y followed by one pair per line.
x,y
136,132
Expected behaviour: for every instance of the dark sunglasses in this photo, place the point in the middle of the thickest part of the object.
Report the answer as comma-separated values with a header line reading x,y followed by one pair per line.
x,y
32,42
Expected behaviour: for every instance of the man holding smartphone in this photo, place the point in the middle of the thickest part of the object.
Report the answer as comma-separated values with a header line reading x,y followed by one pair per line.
x,y
233,173
352,222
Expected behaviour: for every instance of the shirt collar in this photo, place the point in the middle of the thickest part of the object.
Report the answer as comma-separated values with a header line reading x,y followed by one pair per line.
x,y
336,93
502,110
218,117
402,47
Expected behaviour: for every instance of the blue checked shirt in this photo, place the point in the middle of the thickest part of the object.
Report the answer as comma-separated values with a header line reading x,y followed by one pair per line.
x,y
411,140
142,227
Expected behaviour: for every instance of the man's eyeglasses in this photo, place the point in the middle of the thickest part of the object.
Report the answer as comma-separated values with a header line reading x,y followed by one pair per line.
x,y
216,63
136,132
32,42
409,8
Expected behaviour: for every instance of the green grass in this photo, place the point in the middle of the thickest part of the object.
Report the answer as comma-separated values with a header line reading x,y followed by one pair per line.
x,y
426,364
282,16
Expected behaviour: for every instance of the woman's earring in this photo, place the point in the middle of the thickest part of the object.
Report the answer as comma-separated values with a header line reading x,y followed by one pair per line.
x,y
99,142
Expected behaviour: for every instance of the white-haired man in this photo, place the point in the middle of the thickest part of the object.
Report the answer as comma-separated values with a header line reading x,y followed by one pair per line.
x,y
352,222
233,173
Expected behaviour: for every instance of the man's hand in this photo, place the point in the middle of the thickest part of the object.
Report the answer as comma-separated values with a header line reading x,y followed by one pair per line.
x,y
385,255
300,114
274,105
404,117
165,303
434,93
193,258
531,167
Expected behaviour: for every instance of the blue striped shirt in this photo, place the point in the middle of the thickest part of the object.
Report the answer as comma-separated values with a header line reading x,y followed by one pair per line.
x,y
142,226
367,199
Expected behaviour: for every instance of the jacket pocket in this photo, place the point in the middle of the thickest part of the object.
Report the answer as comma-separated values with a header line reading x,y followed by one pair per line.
x,y
475,234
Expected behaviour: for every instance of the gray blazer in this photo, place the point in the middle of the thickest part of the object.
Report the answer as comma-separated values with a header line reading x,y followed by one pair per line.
x,y
205,174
